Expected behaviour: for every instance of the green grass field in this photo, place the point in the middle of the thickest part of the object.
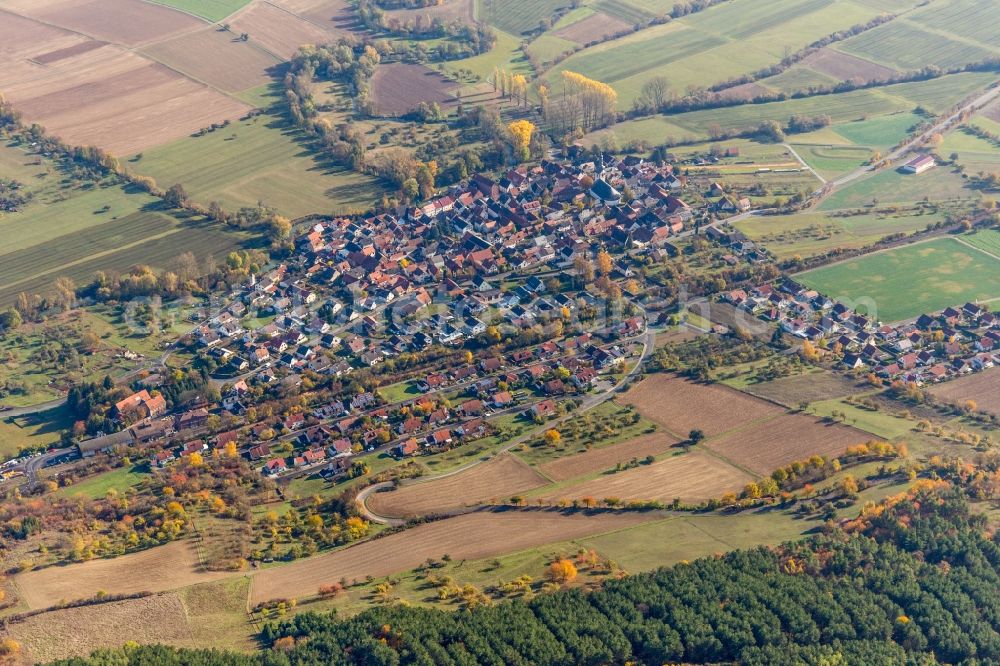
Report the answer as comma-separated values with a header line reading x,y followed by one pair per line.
x,y
987,240
75,229
809,234
891,186
31,431
880,131
120,480
518,16
907,281
724,41
832,161
212,10
906,45
259,160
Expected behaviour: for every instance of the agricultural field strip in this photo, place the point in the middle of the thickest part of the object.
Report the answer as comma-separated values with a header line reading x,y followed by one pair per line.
x,y
976,247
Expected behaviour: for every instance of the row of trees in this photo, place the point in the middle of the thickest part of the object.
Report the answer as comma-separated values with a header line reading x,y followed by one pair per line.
x,y
913,581
585,103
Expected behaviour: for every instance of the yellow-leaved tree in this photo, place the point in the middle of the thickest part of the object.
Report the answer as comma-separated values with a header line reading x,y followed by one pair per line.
x,y
521,132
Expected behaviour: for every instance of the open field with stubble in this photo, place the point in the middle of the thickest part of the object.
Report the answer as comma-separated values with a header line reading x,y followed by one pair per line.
x,y
680,405
982,387
471,536
162,568
692,477
606,457
496,480
765,446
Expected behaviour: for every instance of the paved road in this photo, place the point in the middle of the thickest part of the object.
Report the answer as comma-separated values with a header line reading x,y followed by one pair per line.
x,y
803,163
977,103
589,402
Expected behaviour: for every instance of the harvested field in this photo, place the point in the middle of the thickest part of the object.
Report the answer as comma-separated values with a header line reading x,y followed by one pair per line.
x,y
982,387
277,30
735,318
497,479
472,536
398,88
693,477
606,457
746,91
115,99
593,28
162,568
333,15
128,22
790,391
215,58
844,67
681,405
680,334
69,51
448,11
766,446
76,632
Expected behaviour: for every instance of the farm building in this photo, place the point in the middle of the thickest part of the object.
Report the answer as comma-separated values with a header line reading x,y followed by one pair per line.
x,y
919,164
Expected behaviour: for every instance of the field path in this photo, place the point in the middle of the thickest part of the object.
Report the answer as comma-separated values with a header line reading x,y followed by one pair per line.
x,y
589,402
803,162
975,247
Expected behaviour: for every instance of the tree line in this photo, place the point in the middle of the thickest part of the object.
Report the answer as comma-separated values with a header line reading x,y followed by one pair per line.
x,y
913,580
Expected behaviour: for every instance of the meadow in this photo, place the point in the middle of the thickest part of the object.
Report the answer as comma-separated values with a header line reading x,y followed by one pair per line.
x,y
211,10
904,282
259,159
812,233
892,186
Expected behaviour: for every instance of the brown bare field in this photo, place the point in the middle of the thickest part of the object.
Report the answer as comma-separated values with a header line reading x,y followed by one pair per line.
x,y
336,16
74,632
215,58
843,66
278,30
128,22
606,457
471,536
593,28
992,111
734,318
764,447
676,335
810,387
982,387
113,98
448,11
681,405
59,54
398,88
745,91
155,570
694,477
497,479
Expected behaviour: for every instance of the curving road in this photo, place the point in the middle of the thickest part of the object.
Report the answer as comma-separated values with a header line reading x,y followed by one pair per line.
x,y
589,402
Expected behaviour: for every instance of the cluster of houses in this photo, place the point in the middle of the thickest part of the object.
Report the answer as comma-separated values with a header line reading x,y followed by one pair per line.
x,y
928,349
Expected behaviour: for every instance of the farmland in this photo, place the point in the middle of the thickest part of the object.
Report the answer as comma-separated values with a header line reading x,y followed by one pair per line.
x,y
904,282
891,186
811,233
693,477
607,457
983,388
397,88
680,405
161,568
765,446
259,159
471,536
497,479
211,10
807,387
279,31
